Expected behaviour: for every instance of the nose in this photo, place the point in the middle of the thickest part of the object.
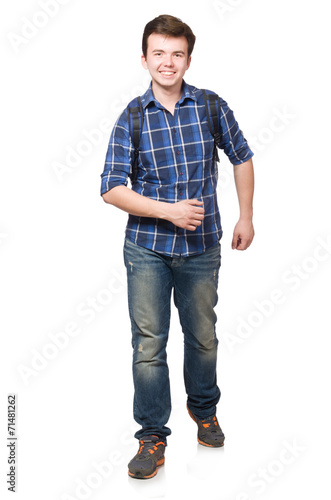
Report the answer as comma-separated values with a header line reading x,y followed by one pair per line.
x,y
167,61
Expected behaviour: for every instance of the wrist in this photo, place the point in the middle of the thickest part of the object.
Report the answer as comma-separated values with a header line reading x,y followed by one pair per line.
x,y
162,210
246,216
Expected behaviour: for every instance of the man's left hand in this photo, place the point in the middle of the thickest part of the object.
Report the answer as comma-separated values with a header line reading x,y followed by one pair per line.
x,y
243,235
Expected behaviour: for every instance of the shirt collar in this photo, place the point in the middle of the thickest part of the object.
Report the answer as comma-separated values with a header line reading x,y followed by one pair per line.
x,y
188,93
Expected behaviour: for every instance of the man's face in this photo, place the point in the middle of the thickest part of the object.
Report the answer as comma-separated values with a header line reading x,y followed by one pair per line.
x,y
167,60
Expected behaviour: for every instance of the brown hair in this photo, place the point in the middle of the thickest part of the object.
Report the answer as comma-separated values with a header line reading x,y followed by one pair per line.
x,y
170,26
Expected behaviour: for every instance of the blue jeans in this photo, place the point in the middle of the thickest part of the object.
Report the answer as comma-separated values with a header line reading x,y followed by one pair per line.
x,y
151,279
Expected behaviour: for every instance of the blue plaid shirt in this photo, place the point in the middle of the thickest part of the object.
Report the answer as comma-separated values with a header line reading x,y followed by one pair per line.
x,y
176,162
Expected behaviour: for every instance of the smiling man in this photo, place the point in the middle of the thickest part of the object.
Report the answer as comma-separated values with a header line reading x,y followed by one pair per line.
x,y
167,61
172,240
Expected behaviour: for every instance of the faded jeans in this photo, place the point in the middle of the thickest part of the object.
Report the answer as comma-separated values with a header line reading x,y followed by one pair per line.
x,y
151,279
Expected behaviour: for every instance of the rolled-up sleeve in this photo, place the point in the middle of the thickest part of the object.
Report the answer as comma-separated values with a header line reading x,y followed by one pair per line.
x,y
118,162
233,141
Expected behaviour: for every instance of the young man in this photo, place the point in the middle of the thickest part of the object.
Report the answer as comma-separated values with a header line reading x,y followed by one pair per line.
x,y
172,236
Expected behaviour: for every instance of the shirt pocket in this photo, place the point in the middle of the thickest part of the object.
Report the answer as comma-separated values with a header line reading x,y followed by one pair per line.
x,y
158,166
198,143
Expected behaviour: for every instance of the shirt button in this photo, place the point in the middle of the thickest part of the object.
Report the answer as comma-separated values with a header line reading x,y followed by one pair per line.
x,y
178,152
175,130
181,173
180,193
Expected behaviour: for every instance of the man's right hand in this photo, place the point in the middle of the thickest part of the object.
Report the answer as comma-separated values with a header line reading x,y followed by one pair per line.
x,y
187,214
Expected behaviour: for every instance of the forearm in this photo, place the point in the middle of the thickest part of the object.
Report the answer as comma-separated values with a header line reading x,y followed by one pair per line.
x,y
244,181
243,233
186,214
133,203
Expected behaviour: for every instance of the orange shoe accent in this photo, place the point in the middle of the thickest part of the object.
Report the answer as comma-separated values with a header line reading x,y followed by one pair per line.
x,y
160,462
191,414
205,444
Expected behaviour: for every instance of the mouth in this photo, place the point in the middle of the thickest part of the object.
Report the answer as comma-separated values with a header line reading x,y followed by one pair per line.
x,y
167,73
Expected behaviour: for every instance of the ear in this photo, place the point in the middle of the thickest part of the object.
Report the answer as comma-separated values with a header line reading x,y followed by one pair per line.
x,y
144,62
188,63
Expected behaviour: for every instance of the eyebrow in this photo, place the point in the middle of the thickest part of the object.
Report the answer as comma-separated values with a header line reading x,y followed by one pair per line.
x,y
175,51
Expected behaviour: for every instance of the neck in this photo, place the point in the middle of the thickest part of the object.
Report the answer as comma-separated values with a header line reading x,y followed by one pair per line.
x,y
168,97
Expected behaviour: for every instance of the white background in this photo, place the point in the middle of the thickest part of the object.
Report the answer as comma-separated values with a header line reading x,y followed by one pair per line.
x,y
61,252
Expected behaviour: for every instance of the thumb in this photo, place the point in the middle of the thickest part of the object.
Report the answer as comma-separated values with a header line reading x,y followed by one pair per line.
x,y
236,240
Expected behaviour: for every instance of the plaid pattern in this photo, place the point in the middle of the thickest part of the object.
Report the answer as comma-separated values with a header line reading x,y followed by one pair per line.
x,y
176,162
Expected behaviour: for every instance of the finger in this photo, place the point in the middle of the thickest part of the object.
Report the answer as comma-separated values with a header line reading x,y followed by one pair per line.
x,y
235,241
197,211
243,244
247,244
198,217
194,223
195,201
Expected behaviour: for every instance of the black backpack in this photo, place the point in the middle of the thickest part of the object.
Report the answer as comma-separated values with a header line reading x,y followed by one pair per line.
x,y
211,104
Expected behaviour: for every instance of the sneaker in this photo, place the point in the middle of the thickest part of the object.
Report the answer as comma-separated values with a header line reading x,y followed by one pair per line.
x,y
209,432
150,456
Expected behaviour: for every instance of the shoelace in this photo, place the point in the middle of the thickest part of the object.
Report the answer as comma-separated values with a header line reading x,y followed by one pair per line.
x,y
148,447
207,422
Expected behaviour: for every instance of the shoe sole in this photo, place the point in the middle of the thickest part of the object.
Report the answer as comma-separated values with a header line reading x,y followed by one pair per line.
x,y
199,440
138,475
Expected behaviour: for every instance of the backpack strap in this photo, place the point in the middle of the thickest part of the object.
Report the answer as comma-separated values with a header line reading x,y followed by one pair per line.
x,y
135,128
212,105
